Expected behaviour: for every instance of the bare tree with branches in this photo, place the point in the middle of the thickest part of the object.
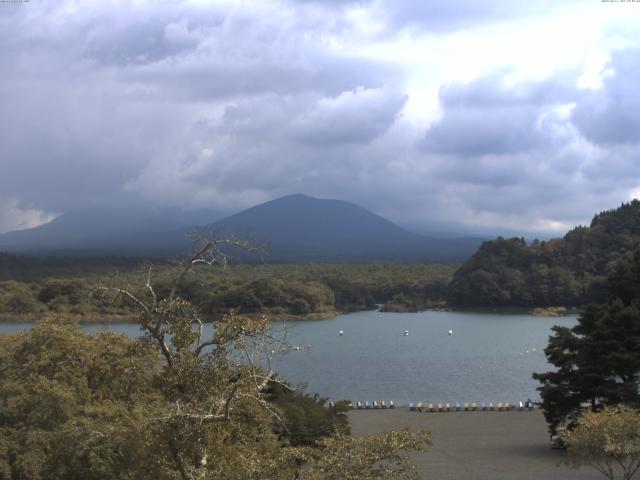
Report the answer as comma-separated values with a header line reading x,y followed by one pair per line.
x,y
206,377
215,407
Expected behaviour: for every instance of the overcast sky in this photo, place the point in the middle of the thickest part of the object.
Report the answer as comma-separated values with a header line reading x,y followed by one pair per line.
x,y
498,115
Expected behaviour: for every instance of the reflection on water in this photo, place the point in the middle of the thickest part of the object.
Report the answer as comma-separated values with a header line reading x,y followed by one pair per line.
x,y
487,357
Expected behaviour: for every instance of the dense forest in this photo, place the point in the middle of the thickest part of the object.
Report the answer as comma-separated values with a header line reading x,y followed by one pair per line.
x,y
33,287
569,271
173,404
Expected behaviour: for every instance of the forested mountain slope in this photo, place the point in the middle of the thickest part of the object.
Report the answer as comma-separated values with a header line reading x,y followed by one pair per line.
x,y
569,271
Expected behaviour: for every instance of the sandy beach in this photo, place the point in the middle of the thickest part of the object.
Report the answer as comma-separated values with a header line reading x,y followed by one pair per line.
x,y
477,445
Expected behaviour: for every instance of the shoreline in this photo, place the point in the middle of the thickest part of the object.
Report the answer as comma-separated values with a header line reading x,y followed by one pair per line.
x,y
115,319
88,319
82,319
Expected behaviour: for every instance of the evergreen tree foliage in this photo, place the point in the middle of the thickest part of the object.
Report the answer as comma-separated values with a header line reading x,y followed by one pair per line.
x,y
597,360
568,271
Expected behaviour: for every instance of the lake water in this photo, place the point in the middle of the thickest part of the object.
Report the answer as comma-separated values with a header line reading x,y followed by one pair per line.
x,y
489,357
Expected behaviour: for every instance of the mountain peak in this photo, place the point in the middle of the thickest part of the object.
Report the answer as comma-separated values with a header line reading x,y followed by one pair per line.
x,y
300,227
295,196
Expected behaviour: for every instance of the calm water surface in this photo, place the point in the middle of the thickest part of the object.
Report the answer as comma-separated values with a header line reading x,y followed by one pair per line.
x,y
489,357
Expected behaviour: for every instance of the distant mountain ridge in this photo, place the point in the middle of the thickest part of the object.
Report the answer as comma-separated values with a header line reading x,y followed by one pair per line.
x,y
299,227
569,271
98,231
292,228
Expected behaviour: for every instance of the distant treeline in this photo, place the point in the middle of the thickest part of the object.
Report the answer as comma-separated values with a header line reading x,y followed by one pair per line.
x,y
569,271
282,290
37,267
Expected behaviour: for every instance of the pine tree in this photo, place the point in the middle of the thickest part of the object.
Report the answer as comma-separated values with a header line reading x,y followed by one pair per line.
x,y
597,360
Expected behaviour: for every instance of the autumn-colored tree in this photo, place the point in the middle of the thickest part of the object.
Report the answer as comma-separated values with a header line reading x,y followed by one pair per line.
x,y
177,403
608,441
372,458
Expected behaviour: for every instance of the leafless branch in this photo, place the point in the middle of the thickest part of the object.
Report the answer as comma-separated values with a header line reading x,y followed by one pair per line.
x,y
127,294
150,288
209,252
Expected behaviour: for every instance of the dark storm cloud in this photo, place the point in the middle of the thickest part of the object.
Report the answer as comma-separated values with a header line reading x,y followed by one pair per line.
x,y
269,145
219,77
142,39
353,117
227,105
487,117
509,151
93,99
203,55
611,115
469,131
108,33
493,91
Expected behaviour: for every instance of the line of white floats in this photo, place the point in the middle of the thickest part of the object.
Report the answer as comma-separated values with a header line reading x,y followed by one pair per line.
x,y
447,407
471,407
406,334
374,404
